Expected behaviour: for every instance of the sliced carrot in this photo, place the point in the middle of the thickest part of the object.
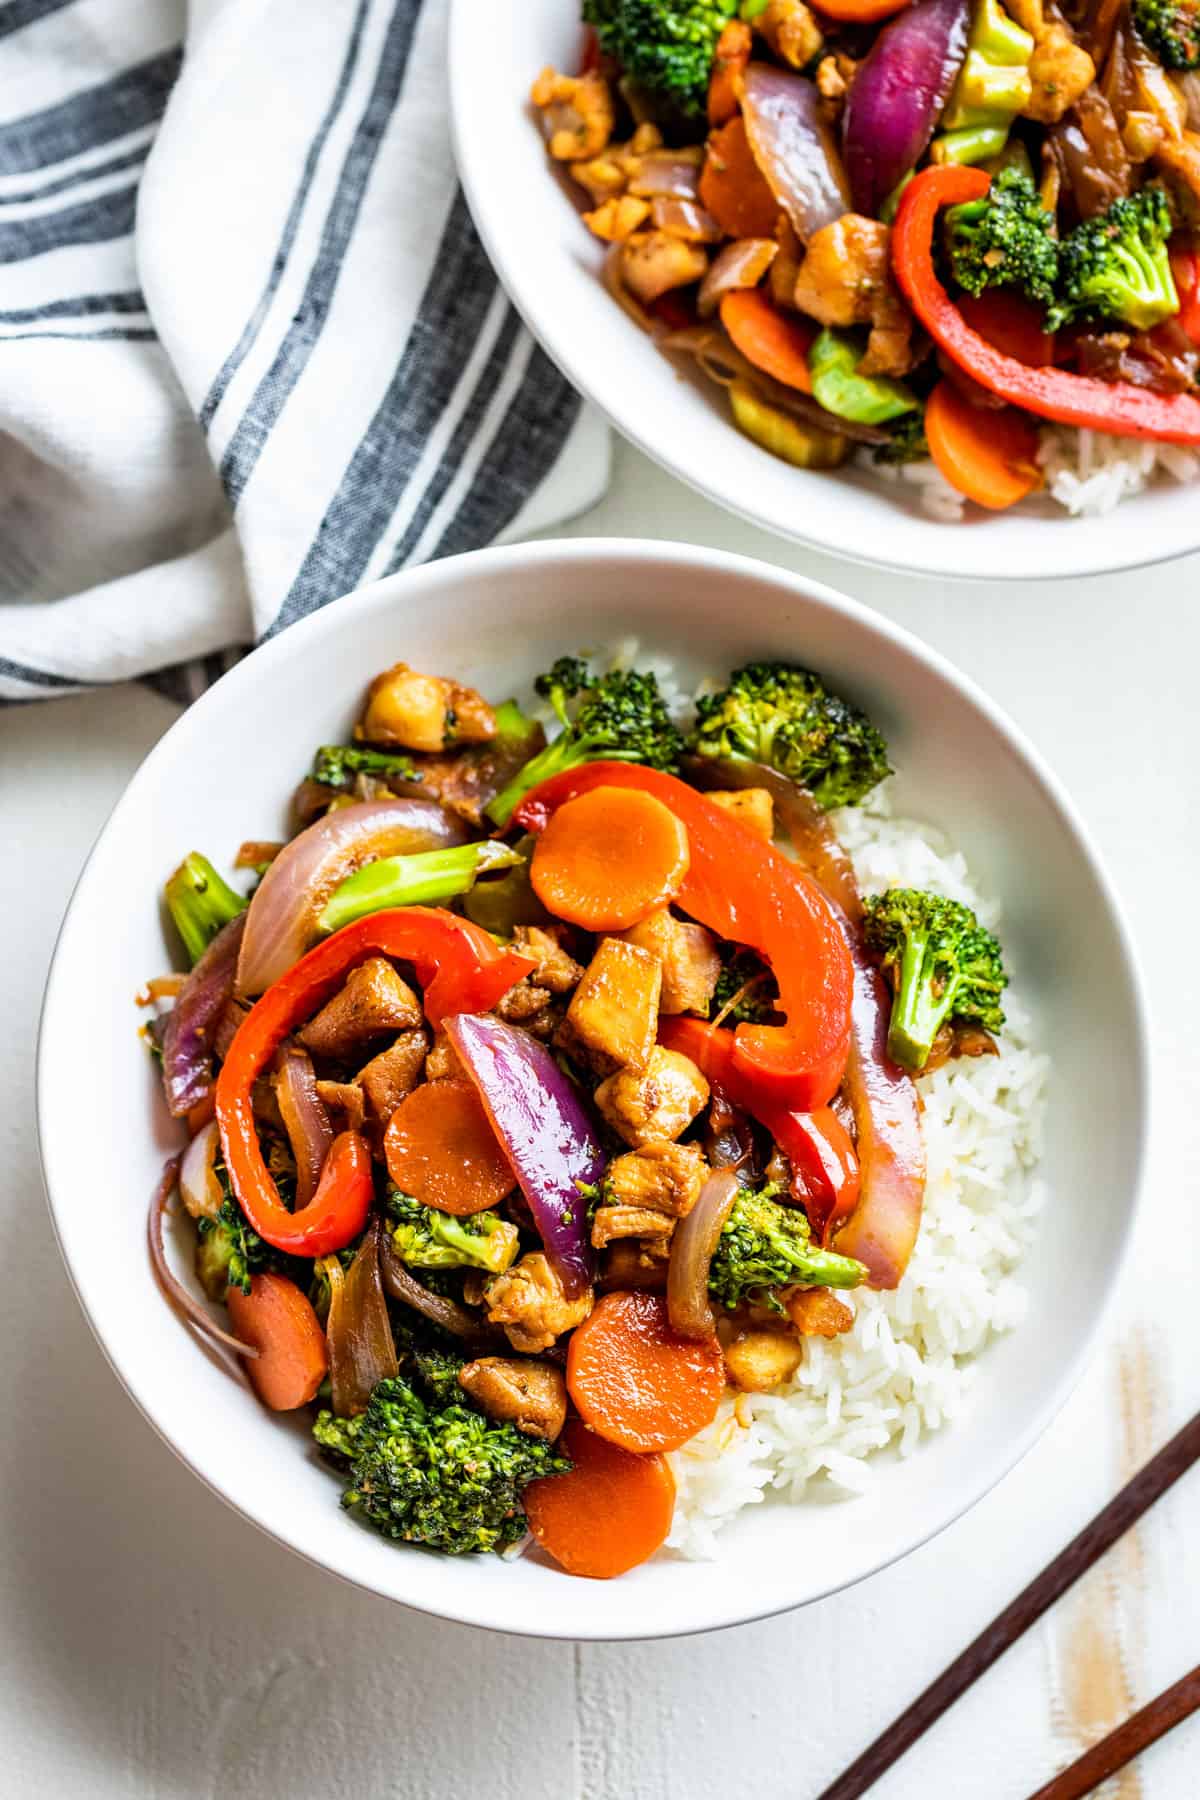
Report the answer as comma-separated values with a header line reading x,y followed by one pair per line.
x,y
637,1382
733,188
608,858
861,12
1011,322
768,338
440,1148
987,453
725,82
610,1513
293,1358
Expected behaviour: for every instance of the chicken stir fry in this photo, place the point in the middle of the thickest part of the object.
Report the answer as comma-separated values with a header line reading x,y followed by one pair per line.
x,y
784,190
534,1143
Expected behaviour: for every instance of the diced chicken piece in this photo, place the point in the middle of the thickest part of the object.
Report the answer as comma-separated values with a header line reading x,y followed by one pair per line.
x,y
528,1300
372,1002
423,712
611,1222
654,262
662,1175
577,113
791,31
607,175
1060,71
613,1015
617,219
345,1098
846,279
817,1312
753,806
689,957
833,82
554,967
659,1101
530,1395
523,1002
443,1061
757,1361
632,1263
392,1075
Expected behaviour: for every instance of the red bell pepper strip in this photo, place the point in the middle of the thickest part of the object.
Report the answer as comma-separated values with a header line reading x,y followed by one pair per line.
x,y
745,889
816,1144
460,968
1185,266
1116,407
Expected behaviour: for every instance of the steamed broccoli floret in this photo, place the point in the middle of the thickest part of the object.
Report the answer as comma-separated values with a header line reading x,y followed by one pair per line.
x,y
1004,240
336,765
436,1240
435,1373
665,46
200,903
907,442
619,716
228,1252
1117,266
764,1245
1172,30
442,1476
786,717
745,975
944,966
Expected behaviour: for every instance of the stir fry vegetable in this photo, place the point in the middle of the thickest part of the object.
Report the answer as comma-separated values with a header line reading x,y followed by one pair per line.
x,y
523,1207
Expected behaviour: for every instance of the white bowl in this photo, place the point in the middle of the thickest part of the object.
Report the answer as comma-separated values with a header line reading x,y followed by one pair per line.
x,y
550,264
224,773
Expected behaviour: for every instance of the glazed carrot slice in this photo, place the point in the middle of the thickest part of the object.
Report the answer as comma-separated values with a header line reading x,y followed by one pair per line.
x,y
279,1321
637,1382
733,188
610,1513
725,82
440,1148
987,453
768,338
608,858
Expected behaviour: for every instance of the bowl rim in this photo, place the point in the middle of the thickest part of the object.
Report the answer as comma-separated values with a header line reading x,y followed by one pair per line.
x,y
851,544
566,554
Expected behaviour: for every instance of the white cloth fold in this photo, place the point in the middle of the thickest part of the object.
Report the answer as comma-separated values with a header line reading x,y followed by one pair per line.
x,y
253,353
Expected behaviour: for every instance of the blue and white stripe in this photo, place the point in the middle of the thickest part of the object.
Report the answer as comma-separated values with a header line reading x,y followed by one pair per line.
x,y
353,389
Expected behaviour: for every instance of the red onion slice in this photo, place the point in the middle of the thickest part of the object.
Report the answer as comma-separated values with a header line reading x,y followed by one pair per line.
x,y
692,1247
199,1188
361,1349
741,264
539,1119
191,1025
281,920
898,95
403,1286
186,1305
304,1119
794,148
667,174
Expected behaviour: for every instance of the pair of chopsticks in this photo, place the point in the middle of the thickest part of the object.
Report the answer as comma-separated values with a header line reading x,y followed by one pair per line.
x,y
1120,1746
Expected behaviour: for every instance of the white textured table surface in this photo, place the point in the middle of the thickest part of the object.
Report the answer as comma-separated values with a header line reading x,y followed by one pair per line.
x,y
153,1644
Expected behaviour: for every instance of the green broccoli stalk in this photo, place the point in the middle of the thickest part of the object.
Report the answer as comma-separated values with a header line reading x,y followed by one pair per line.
x,y
426,878
944,966
1171,28
786,717
1117,265
1004,240
200,903
336,765
665,46
441,1476
764,1246
993,86
427,1239
619,716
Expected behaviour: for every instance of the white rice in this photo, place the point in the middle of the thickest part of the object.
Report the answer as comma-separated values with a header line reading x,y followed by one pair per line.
x,y
1087,472
906,1366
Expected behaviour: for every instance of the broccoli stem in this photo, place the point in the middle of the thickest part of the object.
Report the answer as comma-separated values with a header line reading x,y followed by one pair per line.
x,y
918,1013
566,752
425,878
200,903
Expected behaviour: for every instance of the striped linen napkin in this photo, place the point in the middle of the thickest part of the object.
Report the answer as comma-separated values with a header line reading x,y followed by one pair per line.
x,y
253,353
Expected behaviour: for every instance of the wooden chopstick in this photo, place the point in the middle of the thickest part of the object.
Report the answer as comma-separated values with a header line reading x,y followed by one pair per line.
x,y
1127,1741
1124,1510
